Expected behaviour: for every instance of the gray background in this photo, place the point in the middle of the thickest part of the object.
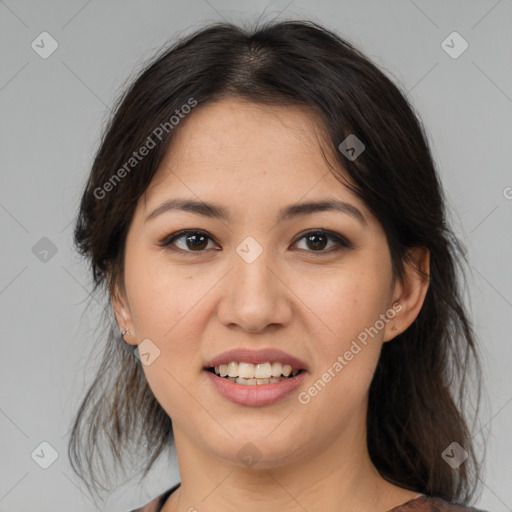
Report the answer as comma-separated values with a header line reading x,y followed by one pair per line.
x,y
52,113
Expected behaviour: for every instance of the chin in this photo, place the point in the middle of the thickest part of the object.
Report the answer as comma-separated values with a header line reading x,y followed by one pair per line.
x,y
259,450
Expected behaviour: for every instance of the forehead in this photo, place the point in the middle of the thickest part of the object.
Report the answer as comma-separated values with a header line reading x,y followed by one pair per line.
x,y
238,144
252,158
231,120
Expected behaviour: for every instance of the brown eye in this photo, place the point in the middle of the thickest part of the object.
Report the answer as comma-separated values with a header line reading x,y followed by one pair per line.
x,y
197,241
193,240
317,241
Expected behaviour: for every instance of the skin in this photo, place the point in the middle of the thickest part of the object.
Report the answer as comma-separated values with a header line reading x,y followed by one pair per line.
x,y
254,160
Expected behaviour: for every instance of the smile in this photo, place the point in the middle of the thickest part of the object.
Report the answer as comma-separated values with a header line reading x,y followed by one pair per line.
x,y
254,392
255,374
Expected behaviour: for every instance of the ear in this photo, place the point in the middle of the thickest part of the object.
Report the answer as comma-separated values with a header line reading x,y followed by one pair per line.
x,y
409,292
122,314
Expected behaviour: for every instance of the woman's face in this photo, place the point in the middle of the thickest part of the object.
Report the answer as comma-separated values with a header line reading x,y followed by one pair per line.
x,y
256,280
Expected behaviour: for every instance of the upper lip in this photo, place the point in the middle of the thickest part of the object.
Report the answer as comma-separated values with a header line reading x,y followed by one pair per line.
x,y
248,355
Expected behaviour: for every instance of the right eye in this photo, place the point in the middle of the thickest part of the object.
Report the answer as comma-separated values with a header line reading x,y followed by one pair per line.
x,y
194,240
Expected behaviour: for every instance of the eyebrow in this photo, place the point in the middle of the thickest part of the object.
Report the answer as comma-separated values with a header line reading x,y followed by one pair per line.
x,y
216,211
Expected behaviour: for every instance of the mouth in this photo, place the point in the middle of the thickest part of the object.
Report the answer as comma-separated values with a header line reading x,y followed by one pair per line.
x,y
254,378
256,391
250,374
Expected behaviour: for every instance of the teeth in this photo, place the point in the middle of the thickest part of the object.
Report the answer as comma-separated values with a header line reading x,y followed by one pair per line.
x,y
261,373
276,369
233,369
253,382
287,369
246,370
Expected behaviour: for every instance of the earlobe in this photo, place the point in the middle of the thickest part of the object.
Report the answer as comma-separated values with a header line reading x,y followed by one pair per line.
x,y
410,292
122,315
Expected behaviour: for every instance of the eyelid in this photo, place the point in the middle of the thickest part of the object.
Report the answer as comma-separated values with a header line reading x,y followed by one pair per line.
x,y
341,241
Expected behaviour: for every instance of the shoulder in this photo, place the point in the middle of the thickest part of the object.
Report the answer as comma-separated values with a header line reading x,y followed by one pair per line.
x,y
434,504
156,504
152,506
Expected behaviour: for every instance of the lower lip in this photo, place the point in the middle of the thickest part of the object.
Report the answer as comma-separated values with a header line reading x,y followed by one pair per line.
x,y
257,394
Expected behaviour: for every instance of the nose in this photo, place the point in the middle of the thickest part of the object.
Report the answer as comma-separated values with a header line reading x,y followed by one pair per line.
x,y
254,295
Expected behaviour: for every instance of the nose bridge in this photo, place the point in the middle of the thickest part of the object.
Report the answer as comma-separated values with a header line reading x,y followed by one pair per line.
x,y
252,273
255,294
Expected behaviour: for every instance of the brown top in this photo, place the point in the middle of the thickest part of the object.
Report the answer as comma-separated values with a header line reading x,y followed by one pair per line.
x,y
420,504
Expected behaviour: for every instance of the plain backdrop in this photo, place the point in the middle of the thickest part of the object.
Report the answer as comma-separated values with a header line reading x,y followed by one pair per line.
x,y
52,112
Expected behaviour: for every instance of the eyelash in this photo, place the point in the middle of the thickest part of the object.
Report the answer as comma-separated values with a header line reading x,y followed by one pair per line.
x,y
342,242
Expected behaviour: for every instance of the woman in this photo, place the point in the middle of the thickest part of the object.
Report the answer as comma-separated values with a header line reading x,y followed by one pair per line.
x,y
267,220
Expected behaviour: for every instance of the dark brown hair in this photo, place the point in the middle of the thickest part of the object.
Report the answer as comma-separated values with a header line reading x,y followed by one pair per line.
x,y
417,396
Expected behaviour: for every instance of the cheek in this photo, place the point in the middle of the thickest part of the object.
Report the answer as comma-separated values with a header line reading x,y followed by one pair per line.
x,y
346,303
160,296
345,319
163,305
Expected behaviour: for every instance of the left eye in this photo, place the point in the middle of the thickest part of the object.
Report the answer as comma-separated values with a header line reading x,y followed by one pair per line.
x,y
318,240
197,240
